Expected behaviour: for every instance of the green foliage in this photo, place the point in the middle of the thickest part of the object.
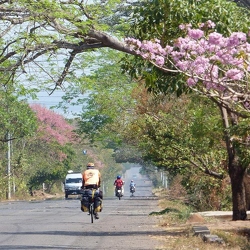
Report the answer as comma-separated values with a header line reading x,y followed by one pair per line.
x,y
17,119
161,19
207,193
41,163
240,138
17,123
108,102
183,135
180,134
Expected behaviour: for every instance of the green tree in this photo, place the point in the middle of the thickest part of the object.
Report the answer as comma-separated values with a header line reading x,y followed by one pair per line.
x,y
224,88
17,119
108,105
184,136
17,123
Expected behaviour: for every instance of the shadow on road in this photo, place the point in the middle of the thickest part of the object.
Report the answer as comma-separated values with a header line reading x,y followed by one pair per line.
x,y
94,234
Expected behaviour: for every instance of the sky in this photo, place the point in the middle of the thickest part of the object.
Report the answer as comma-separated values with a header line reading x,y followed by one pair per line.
x,y
46,100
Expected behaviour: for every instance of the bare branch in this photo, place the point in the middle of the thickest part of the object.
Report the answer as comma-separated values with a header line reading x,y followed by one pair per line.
x,y
43,31
202,167
66,68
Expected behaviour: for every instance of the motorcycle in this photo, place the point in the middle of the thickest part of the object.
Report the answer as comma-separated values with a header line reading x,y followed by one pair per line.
x,y
119,192
132,190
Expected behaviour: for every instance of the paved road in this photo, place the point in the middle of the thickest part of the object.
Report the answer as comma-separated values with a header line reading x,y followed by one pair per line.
x,y
60,224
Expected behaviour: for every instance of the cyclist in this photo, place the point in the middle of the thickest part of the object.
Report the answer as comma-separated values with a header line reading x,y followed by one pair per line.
x,y
118,183
91,178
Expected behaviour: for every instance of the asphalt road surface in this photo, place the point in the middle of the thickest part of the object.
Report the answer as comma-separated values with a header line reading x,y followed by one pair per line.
x,y
60,224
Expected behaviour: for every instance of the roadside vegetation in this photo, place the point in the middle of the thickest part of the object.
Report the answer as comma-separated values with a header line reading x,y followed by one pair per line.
x,y
177,219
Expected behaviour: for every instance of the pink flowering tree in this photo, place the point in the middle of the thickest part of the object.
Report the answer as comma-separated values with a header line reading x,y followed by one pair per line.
x,y
52,126
52,146
216,67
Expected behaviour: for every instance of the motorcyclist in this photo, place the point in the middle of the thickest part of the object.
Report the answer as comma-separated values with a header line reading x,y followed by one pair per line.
x,y
132,184
118,183
91,178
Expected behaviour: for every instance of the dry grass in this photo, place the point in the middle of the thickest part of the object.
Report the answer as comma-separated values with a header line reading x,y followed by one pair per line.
x,y
175,219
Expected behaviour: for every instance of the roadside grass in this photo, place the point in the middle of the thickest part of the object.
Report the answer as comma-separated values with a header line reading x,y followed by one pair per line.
x,y
235,238
173,217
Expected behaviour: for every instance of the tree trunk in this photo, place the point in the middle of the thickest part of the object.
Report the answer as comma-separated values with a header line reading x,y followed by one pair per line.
x,y
238,192
235,169
247,190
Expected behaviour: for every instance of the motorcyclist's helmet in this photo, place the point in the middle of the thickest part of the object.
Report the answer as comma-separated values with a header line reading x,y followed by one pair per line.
x,y
118,177
90,165
132,181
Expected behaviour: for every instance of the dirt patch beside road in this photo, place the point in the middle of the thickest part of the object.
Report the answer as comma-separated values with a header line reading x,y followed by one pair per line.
x,y
41,195
217,221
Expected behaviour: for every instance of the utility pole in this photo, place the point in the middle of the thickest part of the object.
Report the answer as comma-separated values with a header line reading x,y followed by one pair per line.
x,y
103,189
8,167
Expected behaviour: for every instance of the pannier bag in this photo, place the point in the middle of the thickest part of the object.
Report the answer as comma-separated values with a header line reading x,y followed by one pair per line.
x,y
98,204
87,193
86,199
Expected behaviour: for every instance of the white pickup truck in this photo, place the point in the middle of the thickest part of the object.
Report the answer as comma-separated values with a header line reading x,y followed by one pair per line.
x,y
72,183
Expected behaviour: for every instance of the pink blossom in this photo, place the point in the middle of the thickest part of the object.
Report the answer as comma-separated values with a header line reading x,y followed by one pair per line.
x,y
195,33
213,59
185,26
177,56
235,39
214,72
138,43
183,65
162,51
210,24
200,64
53,127
234,74
160,60
215,38
191,81
169,49
182,26
246,47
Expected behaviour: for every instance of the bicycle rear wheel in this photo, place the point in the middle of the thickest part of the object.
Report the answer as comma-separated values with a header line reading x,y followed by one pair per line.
x,y
91,212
